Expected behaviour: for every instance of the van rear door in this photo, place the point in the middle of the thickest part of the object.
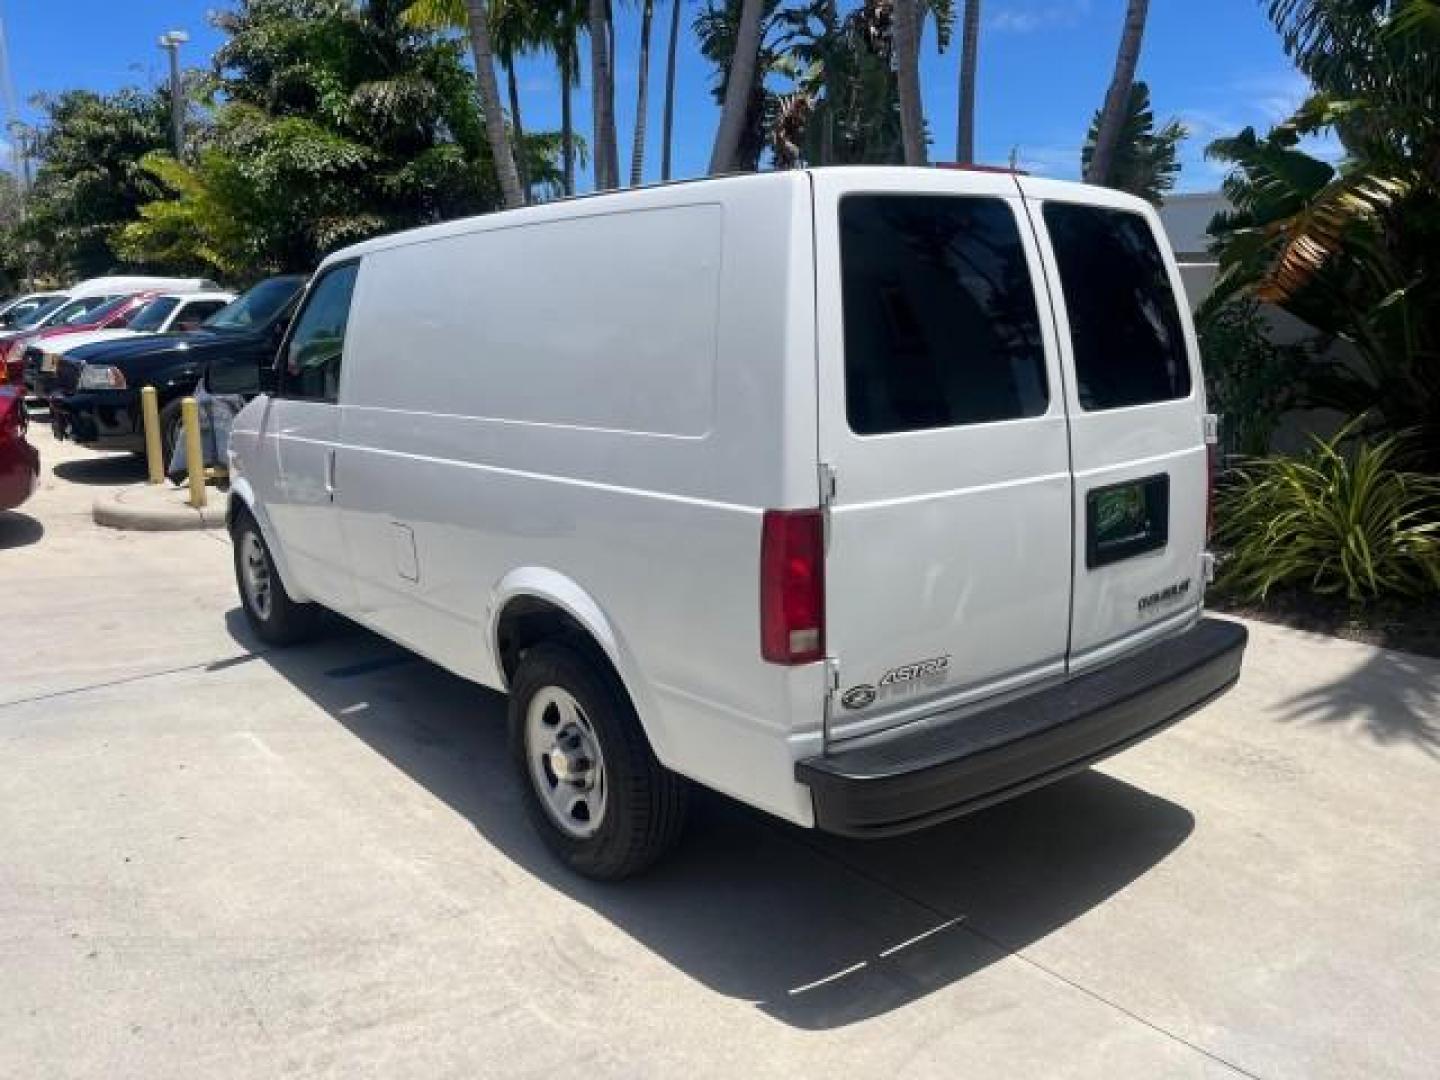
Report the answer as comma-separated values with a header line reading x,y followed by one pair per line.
x,y
1137,417
942,436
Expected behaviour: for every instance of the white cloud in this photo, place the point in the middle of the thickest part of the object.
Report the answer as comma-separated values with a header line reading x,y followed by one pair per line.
x,y
1028,16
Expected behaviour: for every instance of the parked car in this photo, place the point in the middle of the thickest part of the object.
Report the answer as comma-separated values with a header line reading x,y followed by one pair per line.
x,y
76,317
84,295
148,313
19,461
96,399
868,497
18,307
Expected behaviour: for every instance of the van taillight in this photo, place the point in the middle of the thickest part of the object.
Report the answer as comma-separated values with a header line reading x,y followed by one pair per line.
x,y
792,586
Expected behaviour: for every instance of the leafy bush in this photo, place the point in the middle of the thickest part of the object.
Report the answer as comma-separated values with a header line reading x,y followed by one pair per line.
x,y
1252,382
1339,519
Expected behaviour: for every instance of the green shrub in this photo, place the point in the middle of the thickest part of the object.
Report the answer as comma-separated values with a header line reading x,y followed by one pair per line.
x,y
1339,519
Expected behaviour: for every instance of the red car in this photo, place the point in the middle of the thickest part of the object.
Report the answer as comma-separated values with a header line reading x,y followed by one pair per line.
x,y
83,315
19,461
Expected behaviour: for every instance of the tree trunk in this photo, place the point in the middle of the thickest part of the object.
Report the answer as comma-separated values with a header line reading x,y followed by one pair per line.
x,y
907,74
1112,118
602,93
642,96
522,167
739,83
669,119
969,66
567,120
489,87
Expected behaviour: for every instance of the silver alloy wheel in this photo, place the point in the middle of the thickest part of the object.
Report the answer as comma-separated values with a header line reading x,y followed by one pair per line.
x,y
255,575
566,765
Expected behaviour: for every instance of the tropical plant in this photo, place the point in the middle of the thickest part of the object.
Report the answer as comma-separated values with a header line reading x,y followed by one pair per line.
x,y
90,183
473,16
642,94
606,150
716,28
969,67
741,69
1353,250
334,122
1146,162
1251,382
1117,98
668,122
906,38
1338,520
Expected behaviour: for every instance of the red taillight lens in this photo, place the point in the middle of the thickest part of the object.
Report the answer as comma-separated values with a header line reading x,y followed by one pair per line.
x,y
792,586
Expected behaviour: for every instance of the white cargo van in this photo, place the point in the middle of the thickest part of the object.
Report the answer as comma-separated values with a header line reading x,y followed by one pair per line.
x,y
866,496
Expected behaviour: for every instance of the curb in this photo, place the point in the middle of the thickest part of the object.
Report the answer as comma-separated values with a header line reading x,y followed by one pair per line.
x,y
160,508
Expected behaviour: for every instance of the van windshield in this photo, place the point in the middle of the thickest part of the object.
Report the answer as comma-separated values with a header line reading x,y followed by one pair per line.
x,y
1125,325
255,307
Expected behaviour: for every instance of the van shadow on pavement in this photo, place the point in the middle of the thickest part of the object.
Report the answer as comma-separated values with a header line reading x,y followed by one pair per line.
x,y
19,530
817,931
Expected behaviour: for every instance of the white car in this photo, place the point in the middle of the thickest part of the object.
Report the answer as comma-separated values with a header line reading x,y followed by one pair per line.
x,y
866,496
166,313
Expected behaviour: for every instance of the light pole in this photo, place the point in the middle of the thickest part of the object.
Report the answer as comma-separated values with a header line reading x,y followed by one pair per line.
x,y
171,41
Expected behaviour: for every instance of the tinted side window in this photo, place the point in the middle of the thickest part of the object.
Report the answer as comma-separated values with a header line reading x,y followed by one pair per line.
x,y
1125,325
311,367
941,326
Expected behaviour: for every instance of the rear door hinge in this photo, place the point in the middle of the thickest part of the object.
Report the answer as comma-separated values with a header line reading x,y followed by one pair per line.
x,y
829,484
1212,429
832,697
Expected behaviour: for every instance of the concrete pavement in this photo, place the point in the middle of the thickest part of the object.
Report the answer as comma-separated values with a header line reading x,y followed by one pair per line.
x,y
220,862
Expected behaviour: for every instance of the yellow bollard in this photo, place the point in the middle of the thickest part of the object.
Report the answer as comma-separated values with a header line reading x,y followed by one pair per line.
x,y
194,455
150,413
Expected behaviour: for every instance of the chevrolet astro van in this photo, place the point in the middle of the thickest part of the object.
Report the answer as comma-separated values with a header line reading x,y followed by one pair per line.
x,y
865,496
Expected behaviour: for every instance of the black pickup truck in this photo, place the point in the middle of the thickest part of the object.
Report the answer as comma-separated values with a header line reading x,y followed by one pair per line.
x,y
97,397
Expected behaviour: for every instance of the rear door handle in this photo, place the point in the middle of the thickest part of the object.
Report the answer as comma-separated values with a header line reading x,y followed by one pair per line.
x,y
330,473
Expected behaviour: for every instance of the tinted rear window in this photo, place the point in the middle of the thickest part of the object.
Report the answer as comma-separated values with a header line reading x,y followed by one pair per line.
x,y
1125,325
941,326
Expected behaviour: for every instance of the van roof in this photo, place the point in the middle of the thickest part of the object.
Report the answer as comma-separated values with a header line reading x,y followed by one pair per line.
x,y
559,209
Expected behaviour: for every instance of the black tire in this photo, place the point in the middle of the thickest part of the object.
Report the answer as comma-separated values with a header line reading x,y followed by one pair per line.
x,y
280,620
644,805
172,425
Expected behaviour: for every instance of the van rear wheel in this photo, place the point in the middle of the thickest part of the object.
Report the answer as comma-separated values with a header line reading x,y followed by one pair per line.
x,y
273,616
593,787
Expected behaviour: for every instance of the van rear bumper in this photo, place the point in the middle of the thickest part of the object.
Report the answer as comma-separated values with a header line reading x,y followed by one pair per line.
x,y
949,765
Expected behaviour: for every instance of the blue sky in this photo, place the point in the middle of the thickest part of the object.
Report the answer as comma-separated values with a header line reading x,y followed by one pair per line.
x,y
1044,66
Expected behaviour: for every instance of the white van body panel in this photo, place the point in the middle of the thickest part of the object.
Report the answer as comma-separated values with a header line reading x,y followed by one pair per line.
x,y
593,403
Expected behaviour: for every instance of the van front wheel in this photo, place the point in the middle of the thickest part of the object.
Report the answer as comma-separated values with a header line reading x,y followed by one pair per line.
x,y
593,786
273,616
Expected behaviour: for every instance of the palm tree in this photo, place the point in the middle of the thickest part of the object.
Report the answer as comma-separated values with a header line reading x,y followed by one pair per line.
x,y
558,25
642,95
1112,117
512,33
739,84
602,99
1147,161
474,15
969,64
669,121
907,73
